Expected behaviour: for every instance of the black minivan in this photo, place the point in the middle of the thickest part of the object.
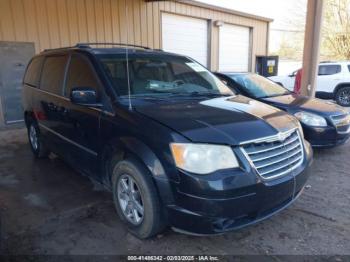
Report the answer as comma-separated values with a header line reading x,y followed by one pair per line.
x,y
172,142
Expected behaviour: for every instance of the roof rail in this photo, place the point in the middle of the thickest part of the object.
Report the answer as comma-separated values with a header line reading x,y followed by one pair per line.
x,y
59,48
87,45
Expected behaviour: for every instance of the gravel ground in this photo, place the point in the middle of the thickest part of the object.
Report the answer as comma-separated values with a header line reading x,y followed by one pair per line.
x,y
48,208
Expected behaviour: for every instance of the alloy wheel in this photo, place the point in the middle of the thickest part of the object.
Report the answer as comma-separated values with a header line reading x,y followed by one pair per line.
x,y
130,200
33,137
344,97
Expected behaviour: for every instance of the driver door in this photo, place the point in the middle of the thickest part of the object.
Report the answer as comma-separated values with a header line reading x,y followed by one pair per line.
x,y
80,124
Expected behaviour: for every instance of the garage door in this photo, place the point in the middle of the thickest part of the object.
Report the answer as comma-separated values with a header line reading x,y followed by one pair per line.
x,y
185,35
234,48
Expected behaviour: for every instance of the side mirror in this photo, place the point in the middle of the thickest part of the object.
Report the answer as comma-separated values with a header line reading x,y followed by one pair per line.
x,y
85,96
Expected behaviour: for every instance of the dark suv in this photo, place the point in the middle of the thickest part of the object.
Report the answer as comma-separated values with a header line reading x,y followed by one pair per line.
x,y
169,139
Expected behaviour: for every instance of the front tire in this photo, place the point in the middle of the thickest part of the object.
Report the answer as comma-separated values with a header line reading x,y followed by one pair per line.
x,y
35,140
136,199
342,96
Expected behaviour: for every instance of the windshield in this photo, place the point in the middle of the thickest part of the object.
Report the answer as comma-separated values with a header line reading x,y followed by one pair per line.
x,y
258,86
159,75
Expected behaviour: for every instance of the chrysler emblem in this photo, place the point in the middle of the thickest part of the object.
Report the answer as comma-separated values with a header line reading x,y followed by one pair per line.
x,y
281,136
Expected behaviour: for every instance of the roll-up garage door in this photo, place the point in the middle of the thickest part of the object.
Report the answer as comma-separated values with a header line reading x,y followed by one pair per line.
x,y
185,35
234,48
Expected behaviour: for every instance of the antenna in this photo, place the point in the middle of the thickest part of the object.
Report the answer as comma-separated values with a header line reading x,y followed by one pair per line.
x,y
127,56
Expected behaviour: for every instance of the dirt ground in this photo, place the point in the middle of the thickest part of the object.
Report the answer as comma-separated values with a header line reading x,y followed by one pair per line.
x,y
48,208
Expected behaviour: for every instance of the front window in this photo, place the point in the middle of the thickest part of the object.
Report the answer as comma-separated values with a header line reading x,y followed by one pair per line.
x,y
159,75
258,86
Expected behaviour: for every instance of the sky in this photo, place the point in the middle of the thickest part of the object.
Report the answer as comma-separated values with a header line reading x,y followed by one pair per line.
x,y
282,11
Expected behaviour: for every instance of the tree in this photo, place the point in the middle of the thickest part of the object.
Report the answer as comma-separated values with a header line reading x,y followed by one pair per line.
x,y
336,30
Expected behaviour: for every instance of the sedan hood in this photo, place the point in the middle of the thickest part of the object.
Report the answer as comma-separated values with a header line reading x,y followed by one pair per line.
x,y
224,120
294,103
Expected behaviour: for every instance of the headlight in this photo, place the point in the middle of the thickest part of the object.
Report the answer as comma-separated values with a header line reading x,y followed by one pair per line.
x,y
203,159
311,119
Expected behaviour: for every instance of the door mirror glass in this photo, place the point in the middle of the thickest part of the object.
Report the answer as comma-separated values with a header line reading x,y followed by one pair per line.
x,y
85,96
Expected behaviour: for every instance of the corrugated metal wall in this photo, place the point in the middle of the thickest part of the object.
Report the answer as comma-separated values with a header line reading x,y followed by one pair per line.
x,y
57,23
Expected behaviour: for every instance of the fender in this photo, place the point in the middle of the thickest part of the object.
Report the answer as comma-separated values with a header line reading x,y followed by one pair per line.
x,y
151,161
145,154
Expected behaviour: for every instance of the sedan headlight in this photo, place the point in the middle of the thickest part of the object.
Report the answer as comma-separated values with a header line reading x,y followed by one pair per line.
x,y
203,159
311,119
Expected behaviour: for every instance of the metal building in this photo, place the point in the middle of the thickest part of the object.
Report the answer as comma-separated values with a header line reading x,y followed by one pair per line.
x,y
219,38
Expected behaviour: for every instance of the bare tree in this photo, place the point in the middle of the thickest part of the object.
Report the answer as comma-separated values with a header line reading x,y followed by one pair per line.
x,y
336,30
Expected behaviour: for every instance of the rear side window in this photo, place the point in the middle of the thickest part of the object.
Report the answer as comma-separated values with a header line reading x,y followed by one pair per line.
x,y
80,74
52,75
349,68
325,70
32,75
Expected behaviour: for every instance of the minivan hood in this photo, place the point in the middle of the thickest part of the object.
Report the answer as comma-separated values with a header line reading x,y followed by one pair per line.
x,y
224,120
295,102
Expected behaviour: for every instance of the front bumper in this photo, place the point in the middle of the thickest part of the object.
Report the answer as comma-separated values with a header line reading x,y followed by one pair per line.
x,y
230,200
324,136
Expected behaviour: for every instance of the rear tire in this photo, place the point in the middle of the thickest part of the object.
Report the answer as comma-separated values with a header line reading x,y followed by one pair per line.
x,y
35,140
136,200
342,96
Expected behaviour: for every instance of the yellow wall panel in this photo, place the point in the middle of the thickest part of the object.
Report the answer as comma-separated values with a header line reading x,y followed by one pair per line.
x,y
31,23
54,31
91,20
122,19
137,22
57,23
7,24
43,24
63,26
82,20
115,21
107,18
17,9
143,21
150,31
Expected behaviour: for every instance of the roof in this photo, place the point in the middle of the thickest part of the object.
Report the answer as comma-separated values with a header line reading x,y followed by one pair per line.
x,y
334,62
221,9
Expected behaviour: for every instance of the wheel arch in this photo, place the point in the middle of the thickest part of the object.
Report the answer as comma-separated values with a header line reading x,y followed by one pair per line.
x,y
27,116
339,86
121,148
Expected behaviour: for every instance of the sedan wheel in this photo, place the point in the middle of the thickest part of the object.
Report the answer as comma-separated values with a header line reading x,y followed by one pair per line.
x,y
343,96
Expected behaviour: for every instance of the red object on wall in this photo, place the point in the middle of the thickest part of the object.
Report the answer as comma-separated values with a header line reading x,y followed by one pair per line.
x,y
297,84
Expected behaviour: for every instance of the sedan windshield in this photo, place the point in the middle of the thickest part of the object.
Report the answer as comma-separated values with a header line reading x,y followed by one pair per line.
x,y
258,86
159,75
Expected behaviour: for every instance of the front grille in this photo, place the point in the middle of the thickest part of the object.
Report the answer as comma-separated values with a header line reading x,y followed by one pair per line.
x,y
342,123
274,158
